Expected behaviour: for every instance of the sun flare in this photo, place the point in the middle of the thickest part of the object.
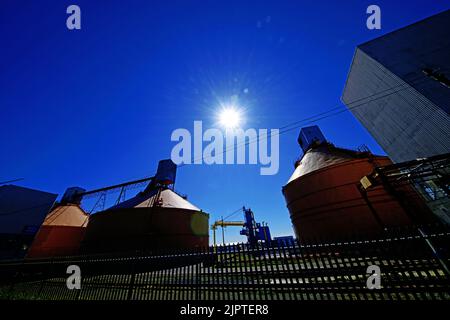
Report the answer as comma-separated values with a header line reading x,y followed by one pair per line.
x,y
230,118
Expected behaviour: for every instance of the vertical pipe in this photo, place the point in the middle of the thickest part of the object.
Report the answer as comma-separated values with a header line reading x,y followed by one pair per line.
x,y
223,233
371,208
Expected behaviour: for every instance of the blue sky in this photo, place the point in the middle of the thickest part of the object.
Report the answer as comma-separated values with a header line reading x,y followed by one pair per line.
x,y
97,106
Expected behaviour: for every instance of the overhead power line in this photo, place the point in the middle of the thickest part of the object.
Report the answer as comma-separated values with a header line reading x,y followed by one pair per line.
x,y
338,109
233,213
9,181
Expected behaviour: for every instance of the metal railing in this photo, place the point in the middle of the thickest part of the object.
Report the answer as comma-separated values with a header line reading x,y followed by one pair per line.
x,y
304,271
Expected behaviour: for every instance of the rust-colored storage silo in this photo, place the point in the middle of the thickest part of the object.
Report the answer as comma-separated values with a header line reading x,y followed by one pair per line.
x,y
155,219
61,232
324,198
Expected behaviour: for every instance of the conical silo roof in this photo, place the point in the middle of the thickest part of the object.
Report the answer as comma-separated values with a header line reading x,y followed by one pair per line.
x,y
167,199
67,215
322,156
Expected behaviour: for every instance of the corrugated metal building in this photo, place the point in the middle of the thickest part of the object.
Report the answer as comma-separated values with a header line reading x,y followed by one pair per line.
x,y
398,88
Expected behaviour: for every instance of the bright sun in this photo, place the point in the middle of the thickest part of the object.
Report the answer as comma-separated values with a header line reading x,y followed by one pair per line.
x,y
230,117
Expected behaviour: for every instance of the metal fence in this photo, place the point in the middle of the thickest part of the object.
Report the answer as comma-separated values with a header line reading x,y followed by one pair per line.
x,y
412,264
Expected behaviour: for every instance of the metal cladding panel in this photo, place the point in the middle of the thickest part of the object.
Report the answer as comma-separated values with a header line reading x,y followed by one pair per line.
x,y
406,52
23,209
407,112
406,124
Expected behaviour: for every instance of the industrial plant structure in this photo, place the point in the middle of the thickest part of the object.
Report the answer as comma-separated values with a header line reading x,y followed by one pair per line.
x,y
398,87
254,231
327,200
155,219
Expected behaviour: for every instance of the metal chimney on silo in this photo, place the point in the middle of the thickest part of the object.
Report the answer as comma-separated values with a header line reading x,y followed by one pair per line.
x,y
166,173
72,195
309,136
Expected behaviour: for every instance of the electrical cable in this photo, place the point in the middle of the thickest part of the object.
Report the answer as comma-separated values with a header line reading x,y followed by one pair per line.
x,y
320,116
232,214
